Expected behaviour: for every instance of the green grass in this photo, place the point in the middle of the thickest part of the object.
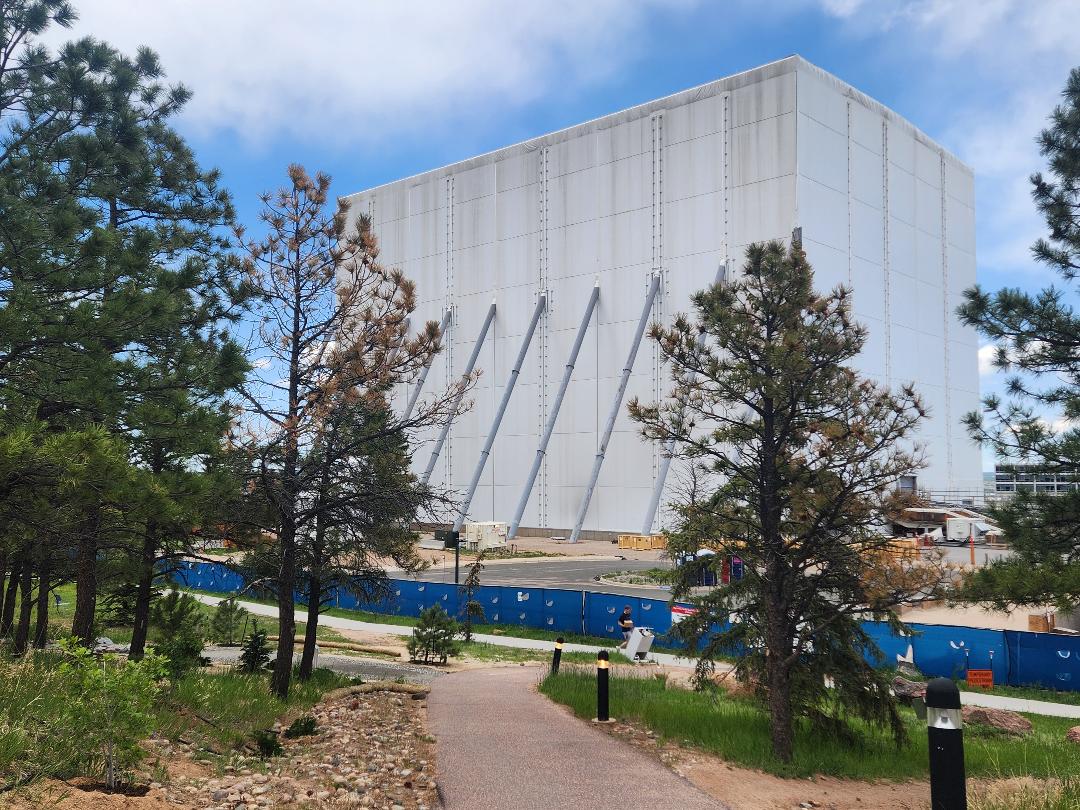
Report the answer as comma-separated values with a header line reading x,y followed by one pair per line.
x,y
482,651
649,576
1061,795
217,710
737,730
225,708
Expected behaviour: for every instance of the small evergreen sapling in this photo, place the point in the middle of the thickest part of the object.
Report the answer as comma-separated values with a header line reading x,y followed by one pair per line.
x,y
471,608
227,621
177,629
433,637
255,654
301,727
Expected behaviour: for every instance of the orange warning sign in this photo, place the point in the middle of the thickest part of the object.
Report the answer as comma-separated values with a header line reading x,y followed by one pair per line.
x,y
982,678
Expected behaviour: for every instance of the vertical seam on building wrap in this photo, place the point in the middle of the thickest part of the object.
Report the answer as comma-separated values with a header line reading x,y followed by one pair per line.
x,y
850,210
945,326
657,120
725,125
542,505
449,450
887,258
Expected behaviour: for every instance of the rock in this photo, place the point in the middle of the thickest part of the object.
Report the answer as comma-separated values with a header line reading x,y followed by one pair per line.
x,y
1073,735
1002,719
907,669
903,688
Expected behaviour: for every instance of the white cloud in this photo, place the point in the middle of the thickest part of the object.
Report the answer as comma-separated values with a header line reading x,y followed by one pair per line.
x,y
1021,52
365,70
986,359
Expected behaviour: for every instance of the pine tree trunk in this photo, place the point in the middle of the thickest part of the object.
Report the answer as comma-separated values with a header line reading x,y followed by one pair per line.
x,y
26,605
3,580
307,660
41,625
144,592
286,582
82,623
3,575
781,719
7,618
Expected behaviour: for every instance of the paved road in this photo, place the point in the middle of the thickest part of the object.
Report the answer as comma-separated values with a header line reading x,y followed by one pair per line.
x,y
983,554
574,573
502,746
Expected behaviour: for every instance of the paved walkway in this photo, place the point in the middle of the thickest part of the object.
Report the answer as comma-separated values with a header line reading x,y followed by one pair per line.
x,y
502,746
1019,704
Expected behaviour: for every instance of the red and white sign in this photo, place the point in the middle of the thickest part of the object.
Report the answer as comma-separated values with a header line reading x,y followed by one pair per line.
x,y
680,612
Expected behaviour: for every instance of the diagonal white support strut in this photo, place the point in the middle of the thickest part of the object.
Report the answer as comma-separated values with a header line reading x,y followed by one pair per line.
x,y
515,372
615,406
460,395
669,445
415,395
549,427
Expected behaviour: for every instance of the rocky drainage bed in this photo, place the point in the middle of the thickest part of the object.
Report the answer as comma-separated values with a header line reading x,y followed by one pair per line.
x,y
370,749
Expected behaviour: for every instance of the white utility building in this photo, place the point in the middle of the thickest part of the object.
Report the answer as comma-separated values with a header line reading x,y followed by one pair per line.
x,y
586,230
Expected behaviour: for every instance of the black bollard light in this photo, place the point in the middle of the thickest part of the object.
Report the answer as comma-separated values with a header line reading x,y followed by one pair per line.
x,y
602,687
945,729
557,657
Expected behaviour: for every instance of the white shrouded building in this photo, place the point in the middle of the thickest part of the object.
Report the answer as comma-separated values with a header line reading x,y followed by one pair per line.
x,y
673,190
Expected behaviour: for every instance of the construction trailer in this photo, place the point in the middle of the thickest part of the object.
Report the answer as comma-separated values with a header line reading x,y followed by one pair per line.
x,y
552,256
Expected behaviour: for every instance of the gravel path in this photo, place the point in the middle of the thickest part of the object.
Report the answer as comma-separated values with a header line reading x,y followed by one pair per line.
x,y
503,746
370,668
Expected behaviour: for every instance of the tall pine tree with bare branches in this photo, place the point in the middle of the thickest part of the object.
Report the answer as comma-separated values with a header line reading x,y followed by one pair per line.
x,y
333,340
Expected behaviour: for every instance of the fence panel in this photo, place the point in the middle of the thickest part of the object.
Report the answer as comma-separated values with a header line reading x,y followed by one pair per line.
x,y
1044,659
1018,658
563,610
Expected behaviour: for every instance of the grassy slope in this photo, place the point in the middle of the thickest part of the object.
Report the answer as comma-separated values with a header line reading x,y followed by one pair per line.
x,y
737,730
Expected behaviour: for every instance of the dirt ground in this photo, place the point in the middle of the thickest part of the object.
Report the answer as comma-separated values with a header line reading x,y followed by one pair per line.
x,y
370,749
970,617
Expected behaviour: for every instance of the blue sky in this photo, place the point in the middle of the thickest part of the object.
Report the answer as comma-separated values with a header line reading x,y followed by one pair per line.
x,y
372,91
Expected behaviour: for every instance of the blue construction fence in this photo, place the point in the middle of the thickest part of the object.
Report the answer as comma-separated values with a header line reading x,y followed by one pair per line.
x,y
1017,658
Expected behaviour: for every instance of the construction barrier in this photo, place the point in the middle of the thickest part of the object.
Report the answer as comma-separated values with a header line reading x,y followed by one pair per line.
x,y
643,542
1016,658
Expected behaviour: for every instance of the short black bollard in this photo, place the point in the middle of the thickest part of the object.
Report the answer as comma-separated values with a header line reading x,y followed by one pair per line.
x,y
945,729
602,687
557,657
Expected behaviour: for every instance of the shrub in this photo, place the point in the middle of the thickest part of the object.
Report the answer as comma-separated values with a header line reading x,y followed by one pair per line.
x,y
177,630
301,727
268,743
226,625
433,636
255,654
109,710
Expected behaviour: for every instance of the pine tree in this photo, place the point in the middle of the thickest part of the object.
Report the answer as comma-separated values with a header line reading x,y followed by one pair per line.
x,y
333,334
1038,342
255,651
792,457
116,284
433,637
227,621
471,609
